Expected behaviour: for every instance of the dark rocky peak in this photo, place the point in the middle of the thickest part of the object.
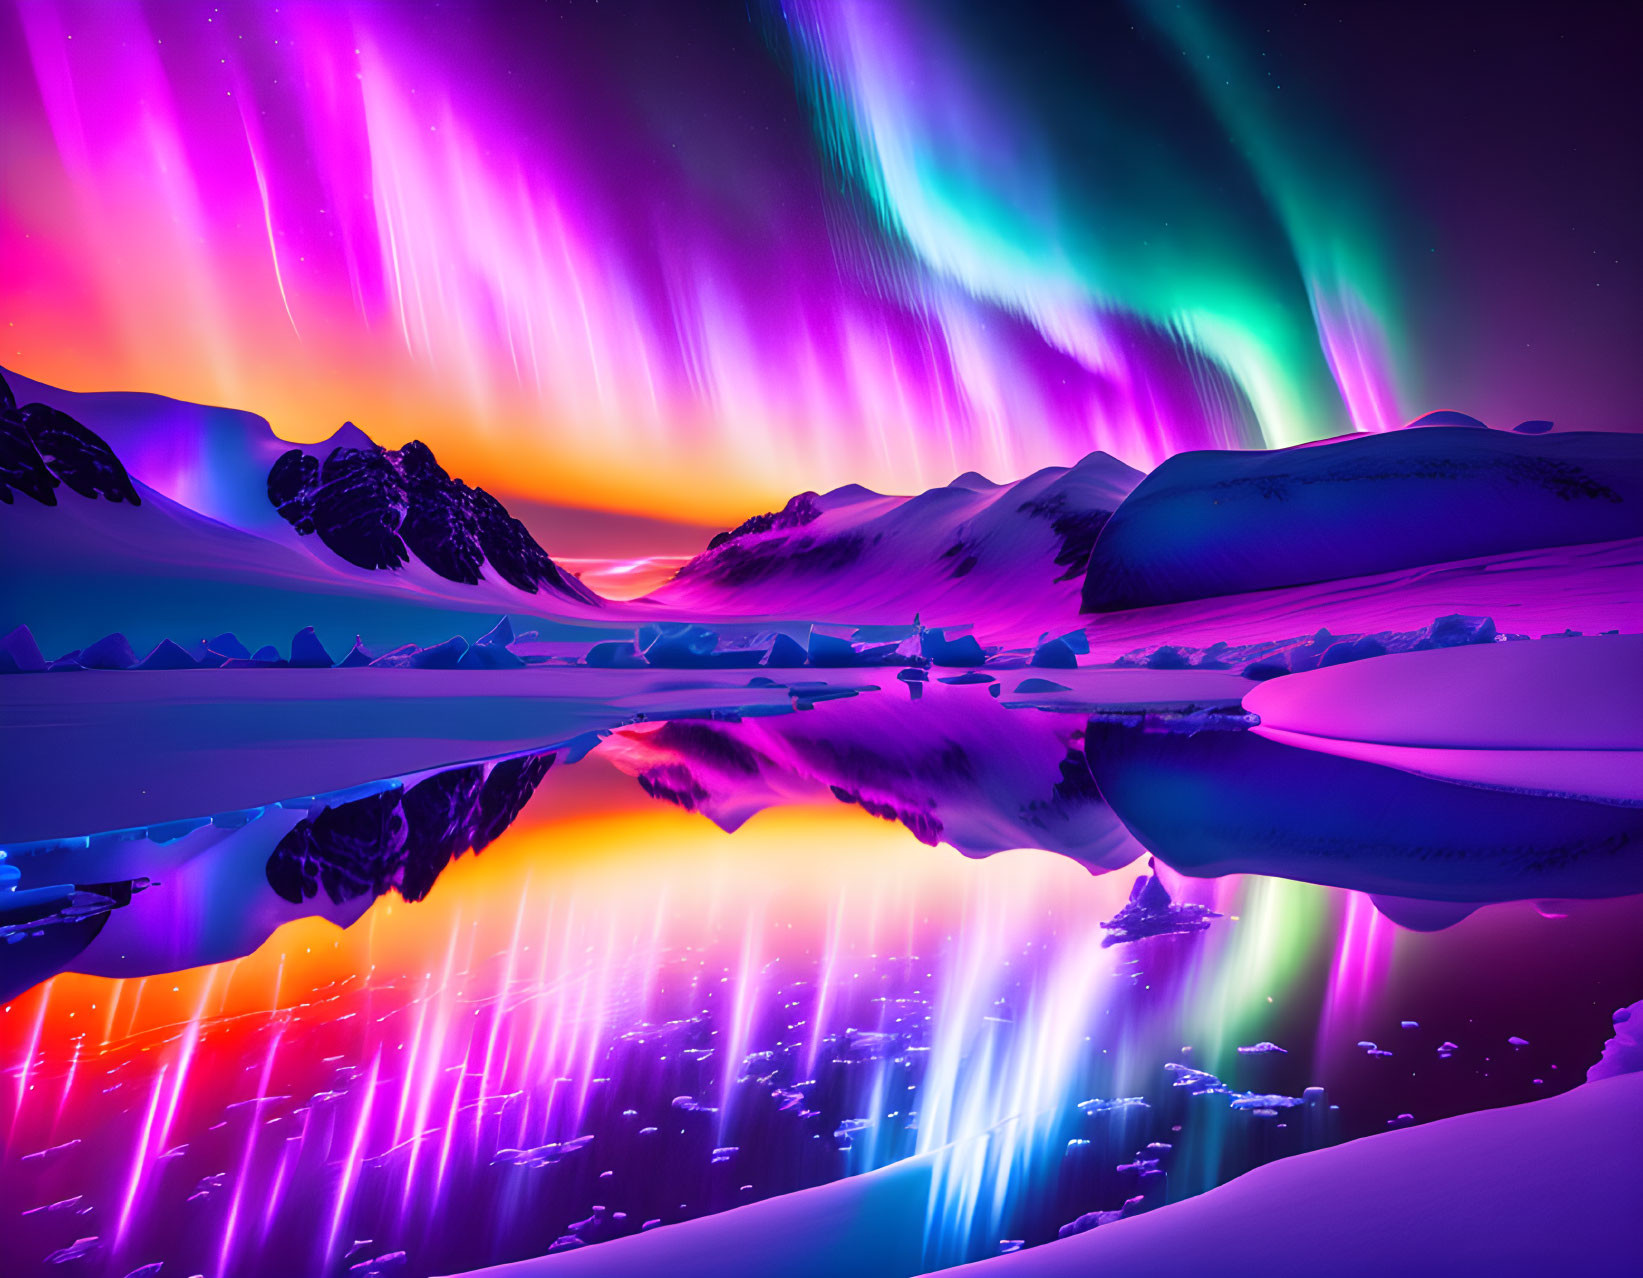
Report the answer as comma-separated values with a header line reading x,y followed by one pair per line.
x,y
40,447
403,838
378,507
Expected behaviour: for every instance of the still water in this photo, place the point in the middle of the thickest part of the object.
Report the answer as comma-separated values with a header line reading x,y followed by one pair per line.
x,y
618,1014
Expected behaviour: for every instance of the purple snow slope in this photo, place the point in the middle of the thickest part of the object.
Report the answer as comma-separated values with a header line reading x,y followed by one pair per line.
x,y
1007,558
1553,716
204,549
215,461
1550,1187
1220,523
82,569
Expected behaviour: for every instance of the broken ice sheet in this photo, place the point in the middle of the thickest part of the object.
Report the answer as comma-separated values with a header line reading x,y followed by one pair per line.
x,y
1151,911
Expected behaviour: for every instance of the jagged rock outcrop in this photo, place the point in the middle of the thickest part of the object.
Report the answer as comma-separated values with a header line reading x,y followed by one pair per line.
x,y
402,839
41,448
378,507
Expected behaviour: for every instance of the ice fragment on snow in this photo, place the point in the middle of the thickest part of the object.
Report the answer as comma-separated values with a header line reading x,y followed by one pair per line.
x,y
1151,912
307,652
167,656
111,652
19,654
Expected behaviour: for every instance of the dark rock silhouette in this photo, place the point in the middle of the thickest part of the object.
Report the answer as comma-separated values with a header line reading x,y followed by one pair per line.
x,y
402,839
378,508
40,446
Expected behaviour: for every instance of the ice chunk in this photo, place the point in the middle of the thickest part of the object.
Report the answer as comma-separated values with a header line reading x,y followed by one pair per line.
x,y
1457,630
19,654
786,653
1054,654
226,645
498,636
963,651
830,650
614,654
307,652
485,656
111,652
442,656
357,656
677,645
167,656
1447,417
1166,657
1078,641
263,657
1151,912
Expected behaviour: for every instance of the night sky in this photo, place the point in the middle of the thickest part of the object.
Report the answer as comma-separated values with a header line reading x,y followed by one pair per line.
x,y
685,260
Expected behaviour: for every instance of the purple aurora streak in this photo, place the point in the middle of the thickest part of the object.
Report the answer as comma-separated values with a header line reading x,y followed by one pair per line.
x,y
817,638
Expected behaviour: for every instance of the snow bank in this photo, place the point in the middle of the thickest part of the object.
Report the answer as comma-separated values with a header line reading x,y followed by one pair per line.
x,y
1568,693
1551,716
1551,1187
1545,1188
1218,523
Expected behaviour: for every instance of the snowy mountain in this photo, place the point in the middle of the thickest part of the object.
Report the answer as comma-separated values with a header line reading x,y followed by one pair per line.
x,y
447,559
1219,523
1006,558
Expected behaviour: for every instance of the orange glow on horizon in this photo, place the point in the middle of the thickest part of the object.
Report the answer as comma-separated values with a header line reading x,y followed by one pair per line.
x,y
790,866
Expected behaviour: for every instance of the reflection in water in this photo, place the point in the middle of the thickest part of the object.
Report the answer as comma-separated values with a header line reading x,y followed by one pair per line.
x,y
1234,802
621,1016
726,1019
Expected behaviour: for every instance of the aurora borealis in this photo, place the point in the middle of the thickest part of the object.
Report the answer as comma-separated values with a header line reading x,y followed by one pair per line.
x,y
795,638
583,251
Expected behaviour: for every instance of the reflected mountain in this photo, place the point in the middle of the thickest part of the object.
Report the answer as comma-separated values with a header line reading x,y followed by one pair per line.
x,y
1187,781
404,837
144,902
953,766
1215,803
